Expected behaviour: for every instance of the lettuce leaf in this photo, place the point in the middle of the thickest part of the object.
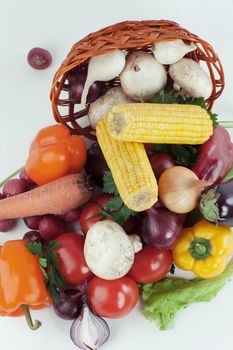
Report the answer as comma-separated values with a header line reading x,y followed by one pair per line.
x,y
163,299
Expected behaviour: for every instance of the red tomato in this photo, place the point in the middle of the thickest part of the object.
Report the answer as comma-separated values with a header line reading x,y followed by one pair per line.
x,y
70,258
151,264
112,299
90,213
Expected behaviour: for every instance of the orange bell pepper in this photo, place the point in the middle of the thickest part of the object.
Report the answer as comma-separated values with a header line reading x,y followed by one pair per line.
x,y
21,282
55,153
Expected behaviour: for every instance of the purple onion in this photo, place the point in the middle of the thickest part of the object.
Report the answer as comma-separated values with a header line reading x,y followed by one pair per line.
x,y
161,227
89,331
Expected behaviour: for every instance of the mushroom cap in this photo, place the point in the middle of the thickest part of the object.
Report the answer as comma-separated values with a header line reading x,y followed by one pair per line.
x,y
190,76
108,251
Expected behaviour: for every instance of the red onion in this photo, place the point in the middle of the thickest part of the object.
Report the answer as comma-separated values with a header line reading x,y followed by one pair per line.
x,y
161,227
89,331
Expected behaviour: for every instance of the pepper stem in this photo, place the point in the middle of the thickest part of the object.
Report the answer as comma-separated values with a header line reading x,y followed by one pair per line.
x,y
34,326
200,248
10,176
226,125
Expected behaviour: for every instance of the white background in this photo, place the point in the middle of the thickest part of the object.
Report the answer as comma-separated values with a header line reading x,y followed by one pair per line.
x,y
25,108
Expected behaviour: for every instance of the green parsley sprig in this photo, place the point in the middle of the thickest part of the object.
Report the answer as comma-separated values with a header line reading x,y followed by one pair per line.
x,y
115,208
48,264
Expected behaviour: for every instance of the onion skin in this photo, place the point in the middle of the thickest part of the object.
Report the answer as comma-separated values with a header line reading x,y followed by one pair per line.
x,y
89,331
180,189
161,227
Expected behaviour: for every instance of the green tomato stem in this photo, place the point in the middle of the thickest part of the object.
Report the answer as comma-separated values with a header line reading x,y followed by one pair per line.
x,y
32,325
11,176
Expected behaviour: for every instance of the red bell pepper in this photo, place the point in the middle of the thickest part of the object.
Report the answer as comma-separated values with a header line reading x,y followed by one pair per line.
x,y
215,158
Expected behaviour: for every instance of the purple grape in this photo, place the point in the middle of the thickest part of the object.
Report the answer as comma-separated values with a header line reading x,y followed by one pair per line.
x,y
24,176
72,215
70,304
50,227
14,187
7,225
32,222
161,227
32,236
39,58
77,80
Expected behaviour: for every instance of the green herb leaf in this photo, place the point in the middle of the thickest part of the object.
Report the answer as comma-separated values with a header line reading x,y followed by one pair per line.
x,y
53,293
35,248
184,154
43,262
172,269
181,154
115,208
114,204
52,245
55,281
51,258
123,214
161,148
165,98
109,185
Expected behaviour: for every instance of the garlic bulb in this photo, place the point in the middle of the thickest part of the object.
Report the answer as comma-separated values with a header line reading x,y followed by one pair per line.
x,y
190,76
180,189
169,52
89,331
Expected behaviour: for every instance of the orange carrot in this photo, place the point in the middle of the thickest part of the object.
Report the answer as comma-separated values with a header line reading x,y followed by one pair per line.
x,y
56,197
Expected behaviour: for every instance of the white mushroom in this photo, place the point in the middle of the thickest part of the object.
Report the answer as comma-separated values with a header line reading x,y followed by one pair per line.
x,y
169,52
137,243
108,250
190,76
100,108
143,76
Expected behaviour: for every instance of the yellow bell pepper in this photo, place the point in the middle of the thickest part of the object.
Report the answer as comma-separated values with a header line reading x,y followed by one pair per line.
x,y
204,249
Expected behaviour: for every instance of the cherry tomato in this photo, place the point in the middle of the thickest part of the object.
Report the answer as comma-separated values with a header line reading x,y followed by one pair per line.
x,y
70,258
91,211
114,298
151,264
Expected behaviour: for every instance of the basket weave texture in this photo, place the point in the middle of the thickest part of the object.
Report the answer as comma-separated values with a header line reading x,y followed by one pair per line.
x,y
129,35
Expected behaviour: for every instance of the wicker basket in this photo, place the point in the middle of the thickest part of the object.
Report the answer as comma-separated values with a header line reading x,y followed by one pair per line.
x,y
125,35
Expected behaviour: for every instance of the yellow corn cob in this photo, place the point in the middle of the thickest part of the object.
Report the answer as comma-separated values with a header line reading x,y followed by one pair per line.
x,y
160,123
131,169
